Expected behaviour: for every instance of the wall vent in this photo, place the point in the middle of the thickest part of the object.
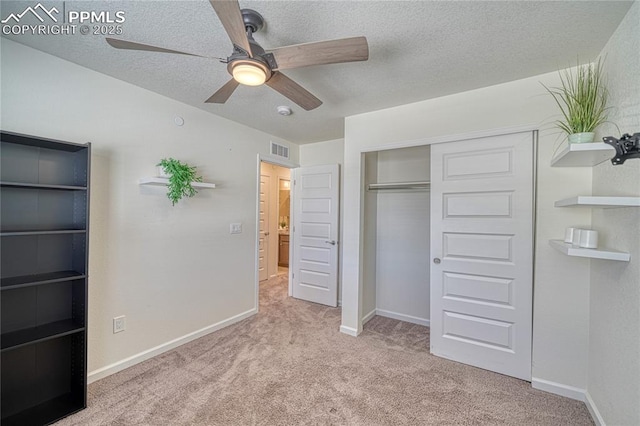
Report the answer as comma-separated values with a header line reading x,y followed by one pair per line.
x,y
279,150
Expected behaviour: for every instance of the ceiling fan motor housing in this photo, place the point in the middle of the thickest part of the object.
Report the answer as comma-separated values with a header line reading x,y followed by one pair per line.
x,y
252,20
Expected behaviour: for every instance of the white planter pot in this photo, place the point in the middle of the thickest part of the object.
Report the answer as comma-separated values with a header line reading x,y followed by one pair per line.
x,y
585,137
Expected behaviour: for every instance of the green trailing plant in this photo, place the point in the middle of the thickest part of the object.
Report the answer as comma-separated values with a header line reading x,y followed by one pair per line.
x,y
181,176
582,98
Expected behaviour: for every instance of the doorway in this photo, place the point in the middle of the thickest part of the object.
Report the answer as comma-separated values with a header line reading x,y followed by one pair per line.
x,y
284,219
297,229
274,219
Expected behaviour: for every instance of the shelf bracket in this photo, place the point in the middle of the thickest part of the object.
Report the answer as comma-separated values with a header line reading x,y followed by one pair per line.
x,y
626,147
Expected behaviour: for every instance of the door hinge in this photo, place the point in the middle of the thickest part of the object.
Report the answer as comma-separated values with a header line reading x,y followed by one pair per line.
x,y
293,275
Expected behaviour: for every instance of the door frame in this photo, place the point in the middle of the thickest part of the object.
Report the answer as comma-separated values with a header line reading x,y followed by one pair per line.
x,y
264,235
282,163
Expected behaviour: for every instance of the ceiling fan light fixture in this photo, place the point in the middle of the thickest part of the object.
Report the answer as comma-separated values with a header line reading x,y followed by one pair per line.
x,y
249,74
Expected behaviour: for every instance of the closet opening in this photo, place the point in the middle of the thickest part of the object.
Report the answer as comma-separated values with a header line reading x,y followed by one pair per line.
x,y
396,234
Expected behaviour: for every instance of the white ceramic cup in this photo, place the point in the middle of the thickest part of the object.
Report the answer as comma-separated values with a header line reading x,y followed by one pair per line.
x,y
568,235
576,236
589,238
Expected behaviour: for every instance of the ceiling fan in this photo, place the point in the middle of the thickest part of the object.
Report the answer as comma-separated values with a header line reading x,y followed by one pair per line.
x,y
251,65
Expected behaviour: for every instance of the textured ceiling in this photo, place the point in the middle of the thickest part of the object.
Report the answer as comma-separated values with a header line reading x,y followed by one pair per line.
x,y
418,50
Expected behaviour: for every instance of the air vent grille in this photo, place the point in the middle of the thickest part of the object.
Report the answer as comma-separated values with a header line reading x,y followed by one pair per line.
x,y
279,150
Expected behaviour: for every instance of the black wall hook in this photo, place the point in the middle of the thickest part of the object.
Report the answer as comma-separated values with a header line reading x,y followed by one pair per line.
x,y
627,146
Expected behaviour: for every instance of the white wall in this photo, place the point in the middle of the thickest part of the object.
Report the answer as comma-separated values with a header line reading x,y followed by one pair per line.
x,y
402,243
318,154
560,334
614,330
171,270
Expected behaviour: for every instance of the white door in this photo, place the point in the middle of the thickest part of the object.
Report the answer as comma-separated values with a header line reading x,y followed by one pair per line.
x,y
263,238
315,234
482,252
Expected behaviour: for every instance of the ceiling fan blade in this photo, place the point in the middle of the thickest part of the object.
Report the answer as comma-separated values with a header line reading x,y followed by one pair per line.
x,y
322,52
229,13
131,45
223,93
292,90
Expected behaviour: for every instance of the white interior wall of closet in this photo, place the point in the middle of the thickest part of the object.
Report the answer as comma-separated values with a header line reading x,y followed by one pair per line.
x,y
396,236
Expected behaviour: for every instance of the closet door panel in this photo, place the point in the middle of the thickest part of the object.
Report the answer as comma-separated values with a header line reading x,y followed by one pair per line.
x,y
482,252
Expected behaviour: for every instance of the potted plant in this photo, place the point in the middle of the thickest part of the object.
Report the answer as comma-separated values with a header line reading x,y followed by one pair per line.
x,y
180,177
582,99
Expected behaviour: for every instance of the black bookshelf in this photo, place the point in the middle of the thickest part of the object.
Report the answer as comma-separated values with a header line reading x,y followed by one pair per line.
x,y
44,212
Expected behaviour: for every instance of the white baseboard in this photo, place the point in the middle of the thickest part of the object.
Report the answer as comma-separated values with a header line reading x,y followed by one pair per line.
x,y
558,389
150,353
570,392
368,317
348,330
593,410
403,317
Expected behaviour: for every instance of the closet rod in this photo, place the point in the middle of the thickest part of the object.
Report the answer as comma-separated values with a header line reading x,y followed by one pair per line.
x,y
399,185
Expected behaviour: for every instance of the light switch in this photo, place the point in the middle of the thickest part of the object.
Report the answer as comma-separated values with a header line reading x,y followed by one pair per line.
x,y
235,228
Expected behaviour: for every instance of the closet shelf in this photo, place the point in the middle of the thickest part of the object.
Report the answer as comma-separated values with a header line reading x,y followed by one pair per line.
x,y
399,185
601,253
158,181
583,155
599,201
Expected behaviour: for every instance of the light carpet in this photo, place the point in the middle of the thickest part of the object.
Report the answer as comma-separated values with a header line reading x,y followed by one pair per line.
x,y
290,365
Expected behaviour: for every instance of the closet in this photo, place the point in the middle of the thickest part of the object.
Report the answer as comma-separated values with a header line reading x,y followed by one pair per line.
x,y
396,234
448,242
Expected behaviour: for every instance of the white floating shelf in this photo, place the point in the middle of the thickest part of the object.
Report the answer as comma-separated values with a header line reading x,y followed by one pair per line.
x,y
158,181
583,155
601,253
599,201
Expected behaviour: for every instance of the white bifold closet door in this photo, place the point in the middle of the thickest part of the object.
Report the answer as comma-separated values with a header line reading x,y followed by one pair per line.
x,y
482,252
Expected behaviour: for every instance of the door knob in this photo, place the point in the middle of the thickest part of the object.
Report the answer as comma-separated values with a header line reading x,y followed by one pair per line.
x,y
332,242
436,260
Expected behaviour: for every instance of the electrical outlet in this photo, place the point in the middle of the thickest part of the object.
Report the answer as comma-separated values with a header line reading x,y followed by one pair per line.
x,y
235,228
118,324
